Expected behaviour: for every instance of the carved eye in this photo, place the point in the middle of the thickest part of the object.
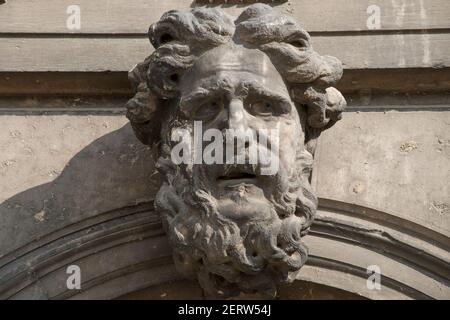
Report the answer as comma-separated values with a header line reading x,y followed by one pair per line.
x,y
208,111
262,109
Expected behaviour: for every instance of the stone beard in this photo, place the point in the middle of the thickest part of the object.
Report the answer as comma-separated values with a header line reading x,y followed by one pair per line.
x,y
232,227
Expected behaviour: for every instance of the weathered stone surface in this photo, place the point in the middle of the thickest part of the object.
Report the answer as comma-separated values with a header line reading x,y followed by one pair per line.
x,y
397,162
47,16
403,51
60,169
188,290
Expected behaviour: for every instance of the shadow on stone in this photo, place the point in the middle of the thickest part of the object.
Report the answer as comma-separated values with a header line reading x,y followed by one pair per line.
x,y
112,172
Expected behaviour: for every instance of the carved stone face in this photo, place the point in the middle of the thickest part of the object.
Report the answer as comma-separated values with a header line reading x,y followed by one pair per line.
x,y
231,87
236,226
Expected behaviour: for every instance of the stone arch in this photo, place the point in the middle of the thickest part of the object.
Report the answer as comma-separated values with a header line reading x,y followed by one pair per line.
x,y
125,250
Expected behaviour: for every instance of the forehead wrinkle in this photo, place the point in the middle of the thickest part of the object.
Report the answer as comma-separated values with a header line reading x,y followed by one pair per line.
x,y
236,81
233,60
202,88
258,87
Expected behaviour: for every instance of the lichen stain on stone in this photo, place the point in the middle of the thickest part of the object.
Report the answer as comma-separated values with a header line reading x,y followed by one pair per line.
x,y
357,187
441,208
40,216
408,146
443,145
15,134
8,163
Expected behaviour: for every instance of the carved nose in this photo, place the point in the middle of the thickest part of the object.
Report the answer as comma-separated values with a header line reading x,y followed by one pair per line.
x,y
236,115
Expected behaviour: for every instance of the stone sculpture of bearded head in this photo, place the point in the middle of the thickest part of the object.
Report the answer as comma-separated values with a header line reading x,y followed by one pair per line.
x,y
232,226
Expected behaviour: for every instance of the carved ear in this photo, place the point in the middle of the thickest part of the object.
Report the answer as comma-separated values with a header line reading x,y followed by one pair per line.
x,y
324,108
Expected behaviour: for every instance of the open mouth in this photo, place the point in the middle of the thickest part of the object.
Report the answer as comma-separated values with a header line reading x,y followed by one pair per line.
x,y
237,176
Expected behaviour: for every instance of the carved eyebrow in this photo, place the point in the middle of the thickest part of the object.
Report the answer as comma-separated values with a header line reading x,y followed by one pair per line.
x,y
251,87
198,94
257,88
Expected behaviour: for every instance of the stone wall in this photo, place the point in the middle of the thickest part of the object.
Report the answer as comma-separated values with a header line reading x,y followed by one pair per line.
x,y
76,187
